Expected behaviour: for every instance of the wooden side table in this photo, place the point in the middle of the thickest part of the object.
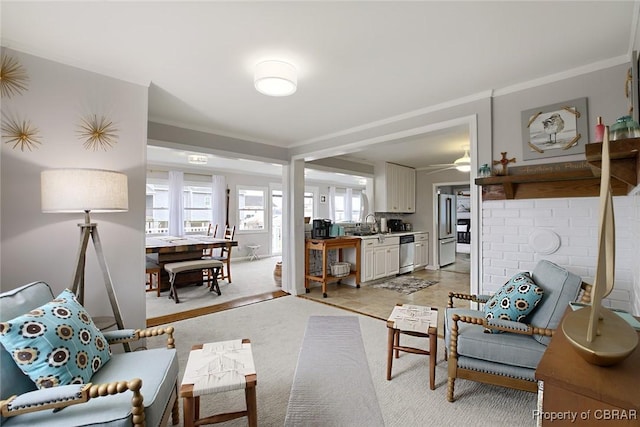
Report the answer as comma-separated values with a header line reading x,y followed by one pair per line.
x,y
326,245
575,392
416,321
216,368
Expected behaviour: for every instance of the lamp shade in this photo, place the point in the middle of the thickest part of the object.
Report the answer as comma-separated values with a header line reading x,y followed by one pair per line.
x,y
82,190
275,78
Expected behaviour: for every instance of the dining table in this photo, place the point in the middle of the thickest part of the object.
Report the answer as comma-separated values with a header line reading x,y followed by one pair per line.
x,y
166,249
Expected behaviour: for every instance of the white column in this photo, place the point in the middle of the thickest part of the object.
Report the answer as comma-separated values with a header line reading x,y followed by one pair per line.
x,y
293,228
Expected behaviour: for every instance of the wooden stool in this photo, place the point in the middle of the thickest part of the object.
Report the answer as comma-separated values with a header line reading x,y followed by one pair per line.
x,y
235,360
153,269
174,268
416,321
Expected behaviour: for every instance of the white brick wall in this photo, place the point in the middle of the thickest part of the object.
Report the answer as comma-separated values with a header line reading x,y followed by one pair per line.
x,y
507,225
635,290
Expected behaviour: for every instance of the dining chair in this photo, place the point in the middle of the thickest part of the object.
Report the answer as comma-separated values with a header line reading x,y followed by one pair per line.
x,y
225,254
152,272
209,252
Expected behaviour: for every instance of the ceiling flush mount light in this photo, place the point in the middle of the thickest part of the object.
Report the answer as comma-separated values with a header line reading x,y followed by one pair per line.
x,y
463,164
276,78
196,159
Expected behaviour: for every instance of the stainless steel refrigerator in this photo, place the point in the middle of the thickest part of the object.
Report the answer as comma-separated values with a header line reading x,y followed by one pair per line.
x,y
446,229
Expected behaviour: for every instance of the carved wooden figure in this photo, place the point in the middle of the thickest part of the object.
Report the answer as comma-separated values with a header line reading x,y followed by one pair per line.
x,y
504,161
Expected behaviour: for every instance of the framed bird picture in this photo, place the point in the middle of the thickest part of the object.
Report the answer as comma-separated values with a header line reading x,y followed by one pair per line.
x,y
555,130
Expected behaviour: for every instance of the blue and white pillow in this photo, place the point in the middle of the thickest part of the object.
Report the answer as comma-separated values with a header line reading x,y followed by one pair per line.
x,y
57,343
515,300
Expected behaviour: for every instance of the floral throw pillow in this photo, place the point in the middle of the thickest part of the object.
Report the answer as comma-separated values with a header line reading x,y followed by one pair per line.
x,y
57,343
515,300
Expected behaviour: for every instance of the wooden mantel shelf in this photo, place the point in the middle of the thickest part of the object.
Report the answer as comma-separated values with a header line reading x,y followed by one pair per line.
x,y
569,179
625,161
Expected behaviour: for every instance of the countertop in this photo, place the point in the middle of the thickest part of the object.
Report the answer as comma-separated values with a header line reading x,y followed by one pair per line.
x,y
393,234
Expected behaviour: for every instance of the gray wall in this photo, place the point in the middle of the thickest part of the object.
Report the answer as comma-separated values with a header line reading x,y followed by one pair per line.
x,y
603,89
424,220
39,246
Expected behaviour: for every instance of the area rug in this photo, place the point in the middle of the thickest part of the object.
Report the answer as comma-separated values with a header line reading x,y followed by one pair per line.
x,y
276,329
405,284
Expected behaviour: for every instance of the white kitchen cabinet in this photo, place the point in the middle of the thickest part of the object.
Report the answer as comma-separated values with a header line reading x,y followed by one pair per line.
x,y
367,260
395,188
379,258
421,252
407,201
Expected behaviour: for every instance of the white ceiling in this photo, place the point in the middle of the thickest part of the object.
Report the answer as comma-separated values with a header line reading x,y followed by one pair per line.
x,y
359,62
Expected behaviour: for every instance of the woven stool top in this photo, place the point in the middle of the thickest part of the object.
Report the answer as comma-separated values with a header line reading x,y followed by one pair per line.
x,y
415,318
220,366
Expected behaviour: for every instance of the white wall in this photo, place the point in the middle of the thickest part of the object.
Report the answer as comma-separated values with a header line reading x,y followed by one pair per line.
x,y
635,233
38,246
508,224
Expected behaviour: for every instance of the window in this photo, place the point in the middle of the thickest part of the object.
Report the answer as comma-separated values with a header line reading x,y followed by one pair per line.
x,y
308,204
342,211
157,207
251,208
196,201
197,207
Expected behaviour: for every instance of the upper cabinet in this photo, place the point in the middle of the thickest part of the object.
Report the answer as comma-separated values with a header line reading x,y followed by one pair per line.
x,y
395,188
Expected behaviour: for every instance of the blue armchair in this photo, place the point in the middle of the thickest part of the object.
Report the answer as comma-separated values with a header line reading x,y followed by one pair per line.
x,y
133,388
510,358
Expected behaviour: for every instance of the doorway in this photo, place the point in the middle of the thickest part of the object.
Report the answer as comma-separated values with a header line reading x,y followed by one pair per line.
x,y
452,212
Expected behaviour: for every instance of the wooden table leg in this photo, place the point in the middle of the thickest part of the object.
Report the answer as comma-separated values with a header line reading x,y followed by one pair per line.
x,y
189,409
324,272
252,406
433,354
391,340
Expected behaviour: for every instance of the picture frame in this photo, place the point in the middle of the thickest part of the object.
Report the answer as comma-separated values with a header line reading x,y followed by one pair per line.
x,y
555,130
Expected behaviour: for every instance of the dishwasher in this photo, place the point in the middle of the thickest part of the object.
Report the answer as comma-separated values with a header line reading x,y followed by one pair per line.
x,y
407,248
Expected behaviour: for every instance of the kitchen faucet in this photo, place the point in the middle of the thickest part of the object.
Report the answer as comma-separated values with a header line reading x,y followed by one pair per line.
x,y
373,229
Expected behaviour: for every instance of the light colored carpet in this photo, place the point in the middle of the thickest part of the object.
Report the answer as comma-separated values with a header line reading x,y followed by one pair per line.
x,y
405,284
276,330
249,278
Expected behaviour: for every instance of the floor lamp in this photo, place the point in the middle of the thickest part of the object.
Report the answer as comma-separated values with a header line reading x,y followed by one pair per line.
x,y
86,190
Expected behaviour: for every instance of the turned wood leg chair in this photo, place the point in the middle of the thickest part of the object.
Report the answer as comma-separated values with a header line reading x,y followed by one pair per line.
x,y
510,358
132,388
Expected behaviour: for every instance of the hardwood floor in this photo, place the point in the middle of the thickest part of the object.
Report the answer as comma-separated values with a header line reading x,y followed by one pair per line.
x,y
201,311
374,302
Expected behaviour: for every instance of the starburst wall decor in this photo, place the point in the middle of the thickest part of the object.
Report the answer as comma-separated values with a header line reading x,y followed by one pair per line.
x,y
98,133
13,77
20,133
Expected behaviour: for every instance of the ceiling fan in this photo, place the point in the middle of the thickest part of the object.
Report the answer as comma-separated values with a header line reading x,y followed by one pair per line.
x,y
463,164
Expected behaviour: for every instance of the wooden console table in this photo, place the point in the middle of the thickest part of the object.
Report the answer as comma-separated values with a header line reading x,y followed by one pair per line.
x,y
326,245
596,395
